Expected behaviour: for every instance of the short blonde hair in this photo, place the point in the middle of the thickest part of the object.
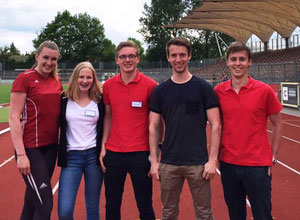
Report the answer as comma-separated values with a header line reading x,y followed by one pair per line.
x,y
72,90
128,43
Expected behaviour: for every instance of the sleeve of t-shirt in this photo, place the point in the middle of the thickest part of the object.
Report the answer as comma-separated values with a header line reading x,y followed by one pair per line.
x,y
105,94
273,105
211,100
20,84
155,102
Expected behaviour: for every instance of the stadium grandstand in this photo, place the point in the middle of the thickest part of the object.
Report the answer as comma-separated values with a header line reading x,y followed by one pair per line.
x,y
276,62
241,19
268,66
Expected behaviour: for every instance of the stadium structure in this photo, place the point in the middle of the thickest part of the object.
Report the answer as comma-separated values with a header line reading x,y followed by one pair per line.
x,y
241,19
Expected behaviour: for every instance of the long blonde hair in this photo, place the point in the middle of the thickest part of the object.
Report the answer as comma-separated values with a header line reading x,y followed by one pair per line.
x,y
72,90
53,46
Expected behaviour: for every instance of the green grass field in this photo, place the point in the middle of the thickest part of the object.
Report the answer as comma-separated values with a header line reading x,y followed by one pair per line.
x,y
5,93
4,98
4,112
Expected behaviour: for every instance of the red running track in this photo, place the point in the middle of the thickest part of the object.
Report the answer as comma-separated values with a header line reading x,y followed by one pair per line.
x,y
285,185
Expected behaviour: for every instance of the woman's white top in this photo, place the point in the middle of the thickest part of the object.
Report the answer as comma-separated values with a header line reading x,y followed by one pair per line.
x,y
81,125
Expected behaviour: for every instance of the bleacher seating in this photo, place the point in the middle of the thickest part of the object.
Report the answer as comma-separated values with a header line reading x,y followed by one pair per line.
x,y
278,56
264,65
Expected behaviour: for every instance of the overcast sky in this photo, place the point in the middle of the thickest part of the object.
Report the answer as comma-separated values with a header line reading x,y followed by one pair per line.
x,y
21,20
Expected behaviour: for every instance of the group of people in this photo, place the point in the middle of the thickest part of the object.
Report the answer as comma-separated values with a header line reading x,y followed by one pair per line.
x,y
134,126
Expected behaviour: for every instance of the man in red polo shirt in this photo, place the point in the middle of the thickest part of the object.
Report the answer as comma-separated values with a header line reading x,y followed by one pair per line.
x,y
125,143
246,157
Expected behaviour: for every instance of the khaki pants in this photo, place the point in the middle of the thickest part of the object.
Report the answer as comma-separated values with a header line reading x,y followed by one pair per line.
x,y
171,180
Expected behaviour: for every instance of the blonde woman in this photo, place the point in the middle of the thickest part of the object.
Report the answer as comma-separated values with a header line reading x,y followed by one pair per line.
x,y
36,95
81,124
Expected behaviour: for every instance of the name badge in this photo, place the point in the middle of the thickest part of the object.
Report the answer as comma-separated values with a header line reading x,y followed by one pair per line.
x,y
90,113
136,104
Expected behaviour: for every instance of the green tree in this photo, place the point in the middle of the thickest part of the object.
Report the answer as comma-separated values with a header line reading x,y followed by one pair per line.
x,y
4,55
161,13
4,52
108,51
11,58
156,17
13,50
79,37
139,44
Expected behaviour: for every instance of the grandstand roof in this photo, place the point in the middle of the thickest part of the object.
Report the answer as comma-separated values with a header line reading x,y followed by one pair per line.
x,y
242,18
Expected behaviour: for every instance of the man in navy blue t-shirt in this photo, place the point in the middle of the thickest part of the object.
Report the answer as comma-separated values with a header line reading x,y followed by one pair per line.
x,y
185,104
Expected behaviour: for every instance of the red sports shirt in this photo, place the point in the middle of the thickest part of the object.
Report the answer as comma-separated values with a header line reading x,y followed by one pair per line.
x,y
244,116
130,112
40,117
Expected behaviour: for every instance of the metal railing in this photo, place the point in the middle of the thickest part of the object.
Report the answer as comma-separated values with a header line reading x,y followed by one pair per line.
x,y
275,72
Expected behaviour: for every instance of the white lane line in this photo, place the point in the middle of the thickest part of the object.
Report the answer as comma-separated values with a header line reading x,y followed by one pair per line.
x,y
12,157
288,167
290,139
55,188
283,164
5,162
4,130
247,201
291,124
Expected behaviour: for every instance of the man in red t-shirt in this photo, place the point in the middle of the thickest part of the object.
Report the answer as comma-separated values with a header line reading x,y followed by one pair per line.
x,y
246,157
125,143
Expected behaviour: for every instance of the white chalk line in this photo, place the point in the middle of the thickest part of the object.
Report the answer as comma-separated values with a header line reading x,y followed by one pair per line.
x,y
297,126
4,130
6,161
288,167
218,171
290,139
55,188
12,157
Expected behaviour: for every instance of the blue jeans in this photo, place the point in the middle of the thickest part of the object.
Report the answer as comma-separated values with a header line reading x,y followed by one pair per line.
x,y
253,181
80,162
